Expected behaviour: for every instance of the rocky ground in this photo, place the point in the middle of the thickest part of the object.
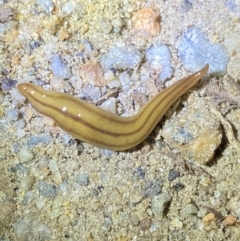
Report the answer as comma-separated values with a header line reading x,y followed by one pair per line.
x,y
181,183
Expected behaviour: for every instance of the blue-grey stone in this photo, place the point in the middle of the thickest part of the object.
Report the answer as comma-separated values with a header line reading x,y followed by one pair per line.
x,y
47,190
59,68
195,51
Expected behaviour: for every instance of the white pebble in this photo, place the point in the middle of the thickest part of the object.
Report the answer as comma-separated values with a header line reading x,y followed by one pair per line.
x,y
25,154
68,8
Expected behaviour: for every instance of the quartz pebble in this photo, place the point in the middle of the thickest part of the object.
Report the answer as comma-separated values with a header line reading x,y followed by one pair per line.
x,y
146,23
159,58
25,155
121,58
195,51
46,5
159,203
59,68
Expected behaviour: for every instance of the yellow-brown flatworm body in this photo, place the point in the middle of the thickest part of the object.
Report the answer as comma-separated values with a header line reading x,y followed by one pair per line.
x,y
99,127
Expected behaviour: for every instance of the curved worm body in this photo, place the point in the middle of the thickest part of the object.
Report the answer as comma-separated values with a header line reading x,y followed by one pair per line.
x,y
98,127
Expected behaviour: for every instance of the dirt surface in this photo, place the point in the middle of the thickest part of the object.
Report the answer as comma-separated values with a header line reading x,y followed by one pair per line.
x,y
53,187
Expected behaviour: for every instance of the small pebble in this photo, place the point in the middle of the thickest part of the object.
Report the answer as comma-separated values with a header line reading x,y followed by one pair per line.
x,y
63,34
105,25
68,8
6,14
107,153
46,5
47,190
53,166
28,229
12,115
125,81
64,220
135,220
178,186
16,96
34,140
83,179
121,57
8,84
41,203
153,188
92,92
173,175
176,223
2,29
146,23
20,123
26,183
88,47
159,58
59,68
207,219
145,224
110,105
234,205
230,220
107,224
25,155
186,6
195,51
159,204
20,133
190,209
28,198
92,73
